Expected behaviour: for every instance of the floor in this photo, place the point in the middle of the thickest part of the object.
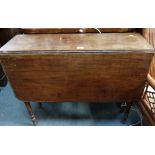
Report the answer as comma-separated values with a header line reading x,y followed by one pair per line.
x,y
14,113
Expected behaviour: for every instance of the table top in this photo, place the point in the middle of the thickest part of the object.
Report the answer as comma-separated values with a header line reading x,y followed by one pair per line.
x,y
77,42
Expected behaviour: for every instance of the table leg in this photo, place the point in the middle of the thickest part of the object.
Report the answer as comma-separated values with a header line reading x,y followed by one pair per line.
x,y
40,104
29,109
127,110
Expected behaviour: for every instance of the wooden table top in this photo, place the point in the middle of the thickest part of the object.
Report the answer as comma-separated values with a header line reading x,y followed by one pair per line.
x,y
112,75
76,42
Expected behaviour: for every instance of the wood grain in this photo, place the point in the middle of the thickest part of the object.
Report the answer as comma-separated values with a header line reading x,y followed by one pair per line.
x,y
149,34
111,67
77,42
146,112
77,76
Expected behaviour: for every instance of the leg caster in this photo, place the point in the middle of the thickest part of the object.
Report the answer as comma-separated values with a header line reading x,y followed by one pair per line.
x,y
127,110
29,109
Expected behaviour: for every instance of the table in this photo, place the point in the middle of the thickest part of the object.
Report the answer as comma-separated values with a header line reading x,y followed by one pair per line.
x,y
77,67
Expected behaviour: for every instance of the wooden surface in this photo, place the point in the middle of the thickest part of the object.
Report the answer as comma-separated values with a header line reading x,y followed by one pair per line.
x,y
149,34
73,30
146,112
48,73
77,42
77,77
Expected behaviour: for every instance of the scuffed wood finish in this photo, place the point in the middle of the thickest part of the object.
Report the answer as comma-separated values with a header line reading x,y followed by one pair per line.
x,y
77,76
76,42
73,30
111,67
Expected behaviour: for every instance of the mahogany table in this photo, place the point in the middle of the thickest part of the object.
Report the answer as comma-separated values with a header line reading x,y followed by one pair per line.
x,y
77,67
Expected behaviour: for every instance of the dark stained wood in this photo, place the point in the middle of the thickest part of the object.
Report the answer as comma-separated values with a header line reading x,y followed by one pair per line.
x,y
114,68
77,42
77,76
127,110
6,34
29,109
72,30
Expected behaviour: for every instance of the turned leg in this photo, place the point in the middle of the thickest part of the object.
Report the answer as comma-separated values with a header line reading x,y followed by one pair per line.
x,y
40,104
29,109
127,110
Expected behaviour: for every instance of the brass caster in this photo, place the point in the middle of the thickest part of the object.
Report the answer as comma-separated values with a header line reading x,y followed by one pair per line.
x,y
33,119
